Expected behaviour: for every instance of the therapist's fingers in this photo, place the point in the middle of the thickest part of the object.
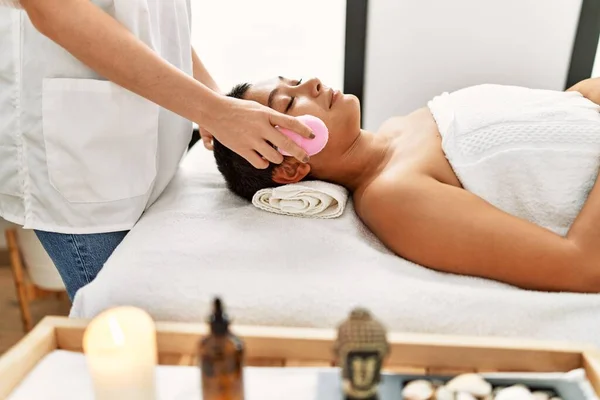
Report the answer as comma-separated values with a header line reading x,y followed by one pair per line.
x,y
286,144
208,143
207,138
269,153
291,123
255,159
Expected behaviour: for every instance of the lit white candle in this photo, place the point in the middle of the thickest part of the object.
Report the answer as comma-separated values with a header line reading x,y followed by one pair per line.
x,y
120,348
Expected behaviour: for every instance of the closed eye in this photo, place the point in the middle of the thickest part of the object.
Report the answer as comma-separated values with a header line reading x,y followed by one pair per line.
x,y
291,103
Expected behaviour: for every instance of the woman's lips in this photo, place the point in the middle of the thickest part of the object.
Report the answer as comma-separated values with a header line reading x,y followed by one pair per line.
x,y
335,94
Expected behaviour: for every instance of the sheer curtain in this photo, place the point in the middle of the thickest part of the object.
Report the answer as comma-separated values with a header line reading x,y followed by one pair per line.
x,y
249,40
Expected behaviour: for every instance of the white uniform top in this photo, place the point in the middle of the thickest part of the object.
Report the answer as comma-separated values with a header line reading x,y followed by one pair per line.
x,y
79,154
532,153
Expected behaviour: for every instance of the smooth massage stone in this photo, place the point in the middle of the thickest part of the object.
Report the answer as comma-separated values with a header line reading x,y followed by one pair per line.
x,y
464,396
470,383
516,392
498,389
442,393
418,390
541,395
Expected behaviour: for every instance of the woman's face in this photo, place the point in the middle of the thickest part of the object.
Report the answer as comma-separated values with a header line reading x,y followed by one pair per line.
x,y
340,112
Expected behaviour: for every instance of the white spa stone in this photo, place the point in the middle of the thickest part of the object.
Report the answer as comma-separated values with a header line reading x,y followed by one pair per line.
x,y
418,390
442,393
539,395
516,392
464,396
470,383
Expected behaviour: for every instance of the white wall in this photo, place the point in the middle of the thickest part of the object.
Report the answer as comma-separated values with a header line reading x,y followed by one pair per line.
x,y
596,71
245,41
420,48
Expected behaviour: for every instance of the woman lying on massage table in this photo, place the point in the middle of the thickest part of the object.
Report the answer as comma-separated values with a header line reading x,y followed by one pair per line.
x,y
444,186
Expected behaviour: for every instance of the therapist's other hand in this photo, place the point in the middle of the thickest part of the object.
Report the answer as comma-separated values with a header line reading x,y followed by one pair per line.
x,y
248,127
207,139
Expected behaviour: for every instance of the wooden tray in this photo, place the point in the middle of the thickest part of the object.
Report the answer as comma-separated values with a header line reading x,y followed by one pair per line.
x,y
286,347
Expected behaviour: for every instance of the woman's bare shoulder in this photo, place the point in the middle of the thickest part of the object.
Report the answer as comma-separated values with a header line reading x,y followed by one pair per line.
x,y
589,88
387,189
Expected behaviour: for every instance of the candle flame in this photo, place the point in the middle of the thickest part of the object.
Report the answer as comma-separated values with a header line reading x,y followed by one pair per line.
x,y
116,331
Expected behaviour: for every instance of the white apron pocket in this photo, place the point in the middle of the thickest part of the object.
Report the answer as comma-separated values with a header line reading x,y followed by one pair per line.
x,y
101,140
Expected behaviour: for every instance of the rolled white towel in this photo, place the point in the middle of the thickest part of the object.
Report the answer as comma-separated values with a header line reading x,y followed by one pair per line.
x,y
10,3
311,199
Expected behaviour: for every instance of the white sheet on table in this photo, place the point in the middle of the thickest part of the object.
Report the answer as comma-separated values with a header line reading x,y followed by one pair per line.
x,y
199,240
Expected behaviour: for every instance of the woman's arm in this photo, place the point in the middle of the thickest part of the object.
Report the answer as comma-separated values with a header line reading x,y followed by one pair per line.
x,y
589,88
104,45
452,230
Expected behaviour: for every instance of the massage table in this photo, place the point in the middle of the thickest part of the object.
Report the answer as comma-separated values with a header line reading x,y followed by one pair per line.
x,y
199,241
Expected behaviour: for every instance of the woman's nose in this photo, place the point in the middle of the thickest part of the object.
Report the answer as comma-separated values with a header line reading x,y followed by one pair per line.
x,y
316,87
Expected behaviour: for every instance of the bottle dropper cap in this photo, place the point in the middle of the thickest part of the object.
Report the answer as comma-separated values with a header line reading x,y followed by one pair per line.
x,y
219,321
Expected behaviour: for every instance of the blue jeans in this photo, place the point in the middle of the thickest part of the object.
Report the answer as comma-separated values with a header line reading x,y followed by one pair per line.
x,y
79,258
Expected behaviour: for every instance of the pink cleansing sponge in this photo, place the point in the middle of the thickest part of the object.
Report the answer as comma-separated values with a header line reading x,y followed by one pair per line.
x,y
311,146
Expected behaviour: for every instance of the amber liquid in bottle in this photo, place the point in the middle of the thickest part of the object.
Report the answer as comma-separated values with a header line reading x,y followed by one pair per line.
x,y
221,360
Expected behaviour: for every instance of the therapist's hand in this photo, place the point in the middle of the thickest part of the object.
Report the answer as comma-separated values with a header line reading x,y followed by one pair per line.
x,y
248,127
207,139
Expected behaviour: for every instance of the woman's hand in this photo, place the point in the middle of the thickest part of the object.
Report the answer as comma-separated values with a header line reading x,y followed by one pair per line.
x,y
248,128
207,139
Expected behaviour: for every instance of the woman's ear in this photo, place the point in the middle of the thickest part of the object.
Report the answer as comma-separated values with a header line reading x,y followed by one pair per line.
x,y
290,171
